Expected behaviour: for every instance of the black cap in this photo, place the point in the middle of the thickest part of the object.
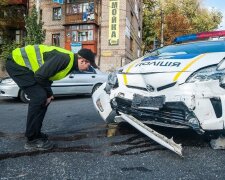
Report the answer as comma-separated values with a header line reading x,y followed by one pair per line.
x,y
88,55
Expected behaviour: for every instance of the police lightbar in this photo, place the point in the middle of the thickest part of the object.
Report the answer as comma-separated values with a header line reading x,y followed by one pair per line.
x,y
199,36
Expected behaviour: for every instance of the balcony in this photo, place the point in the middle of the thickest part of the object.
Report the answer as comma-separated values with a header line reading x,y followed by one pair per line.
x,y
81,12
80,19
14,2
12,24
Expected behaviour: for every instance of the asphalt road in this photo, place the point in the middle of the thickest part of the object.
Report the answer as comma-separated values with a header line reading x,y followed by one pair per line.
x,y
88,149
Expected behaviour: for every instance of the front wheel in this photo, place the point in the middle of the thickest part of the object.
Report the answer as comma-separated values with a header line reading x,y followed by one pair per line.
x,y
23,97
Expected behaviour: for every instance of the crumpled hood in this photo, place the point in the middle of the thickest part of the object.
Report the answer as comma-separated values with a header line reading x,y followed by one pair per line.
x,y
166,69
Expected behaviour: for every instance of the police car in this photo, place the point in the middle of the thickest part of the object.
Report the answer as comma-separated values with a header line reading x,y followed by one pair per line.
x,y
180,86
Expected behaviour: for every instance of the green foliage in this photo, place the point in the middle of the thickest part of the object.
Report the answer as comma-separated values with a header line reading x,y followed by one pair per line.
x,y
148,23
35,34
179,17
6,50
3,2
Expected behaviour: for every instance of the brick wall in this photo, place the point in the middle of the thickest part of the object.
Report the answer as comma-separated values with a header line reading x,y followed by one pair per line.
x,y
112,57
108,57
51,26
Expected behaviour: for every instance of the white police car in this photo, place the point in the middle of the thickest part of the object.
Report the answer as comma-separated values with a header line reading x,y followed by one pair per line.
x,y
180,86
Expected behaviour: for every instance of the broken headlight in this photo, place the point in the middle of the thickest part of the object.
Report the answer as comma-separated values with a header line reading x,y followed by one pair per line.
x,y
206,74
112,81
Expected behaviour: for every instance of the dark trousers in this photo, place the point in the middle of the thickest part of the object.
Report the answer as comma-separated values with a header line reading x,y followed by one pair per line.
x,y
37,94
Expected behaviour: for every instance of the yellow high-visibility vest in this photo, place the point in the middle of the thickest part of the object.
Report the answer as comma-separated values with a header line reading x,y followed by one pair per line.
x,y
31,56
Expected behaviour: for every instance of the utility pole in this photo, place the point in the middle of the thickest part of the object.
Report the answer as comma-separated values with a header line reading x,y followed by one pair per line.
x,y
162,28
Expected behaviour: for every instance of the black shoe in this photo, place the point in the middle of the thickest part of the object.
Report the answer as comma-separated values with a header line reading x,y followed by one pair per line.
x,y
39,144
43,136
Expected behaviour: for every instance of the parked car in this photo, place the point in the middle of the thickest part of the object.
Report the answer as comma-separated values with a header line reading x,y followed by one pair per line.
x,y
179,86
75,83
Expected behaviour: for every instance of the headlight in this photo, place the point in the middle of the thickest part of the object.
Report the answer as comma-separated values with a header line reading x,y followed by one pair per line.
x,y
7,81
206,74
112,81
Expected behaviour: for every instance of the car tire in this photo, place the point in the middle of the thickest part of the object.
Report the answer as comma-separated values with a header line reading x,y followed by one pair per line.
x,y
23,97
96,87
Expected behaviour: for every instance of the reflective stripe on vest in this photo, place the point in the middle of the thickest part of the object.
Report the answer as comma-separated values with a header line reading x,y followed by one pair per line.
x,y
25,57
28,56
38,55
31,57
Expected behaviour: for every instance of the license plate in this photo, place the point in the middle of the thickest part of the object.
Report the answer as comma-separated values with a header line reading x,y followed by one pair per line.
x,y
148,102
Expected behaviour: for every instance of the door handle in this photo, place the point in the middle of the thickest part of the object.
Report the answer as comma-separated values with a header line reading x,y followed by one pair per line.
x,y
93,76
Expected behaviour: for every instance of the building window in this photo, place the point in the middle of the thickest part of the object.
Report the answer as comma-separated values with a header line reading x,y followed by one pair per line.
x,y
138,53
1,37
18,36
132,18
2,13
57,13
86,10
41,14
131,44
80,33
139,32
56,39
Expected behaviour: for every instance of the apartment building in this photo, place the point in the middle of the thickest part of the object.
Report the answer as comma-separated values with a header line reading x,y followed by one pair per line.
x,y
112,29
12,25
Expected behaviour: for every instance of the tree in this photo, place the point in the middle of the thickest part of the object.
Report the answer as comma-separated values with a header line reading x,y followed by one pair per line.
x,y
176,25
178,17
35,33
3,2
7,48
8,15
148,24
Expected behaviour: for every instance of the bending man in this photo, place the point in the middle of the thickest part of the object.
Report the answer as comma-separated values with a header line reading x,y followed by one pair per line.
x,y
34,68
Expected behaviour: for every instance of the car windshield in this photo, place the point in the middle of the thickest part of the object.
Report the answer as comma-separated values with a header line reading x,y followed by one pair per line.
x,y
190,48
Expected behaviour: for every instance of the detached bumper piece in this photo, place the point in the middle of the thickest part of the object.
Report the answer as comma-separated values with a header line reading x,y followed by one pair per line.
x,y
218,143
172,114
159,138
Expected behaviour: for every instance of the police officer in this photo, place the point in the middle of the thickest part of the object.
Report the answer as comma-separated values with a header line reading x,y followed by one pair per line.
x,y
34,68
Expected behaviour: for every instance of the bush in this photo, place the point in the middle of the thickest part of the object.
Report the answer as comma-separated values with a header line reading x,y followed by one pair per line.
x,y
6,50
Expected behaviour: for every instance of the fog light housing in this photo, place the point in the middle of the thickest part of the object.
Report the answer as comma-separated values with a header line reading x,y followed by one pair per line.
x,y
193,121
99,104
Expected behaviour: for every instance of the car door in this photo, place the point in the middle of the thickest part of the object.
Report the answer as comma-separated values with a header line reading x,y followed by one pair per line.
x,y
76,82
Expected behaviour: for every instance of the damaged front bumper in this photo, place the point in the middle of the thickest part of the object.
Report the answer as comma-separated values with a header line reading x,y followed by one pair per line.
x,y
159,138
175,114
196,106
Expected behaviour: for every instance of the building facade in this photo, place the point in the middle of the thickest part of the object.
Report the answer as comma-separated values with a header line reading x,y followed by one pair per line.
x,y
112,29
12,25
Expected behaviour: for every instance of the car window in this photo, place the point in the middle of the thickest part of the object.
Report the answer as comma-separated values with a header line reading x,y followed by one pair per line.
x,y
91,70
190,48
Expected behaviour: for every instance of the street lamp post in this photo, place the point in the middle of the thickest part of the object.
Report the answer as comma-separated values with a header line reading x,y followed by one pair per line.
x,y
38,10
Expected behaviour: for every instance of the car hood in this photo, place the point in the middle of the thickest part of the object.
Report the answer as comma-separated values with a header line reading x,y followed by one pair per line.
x,y
166,69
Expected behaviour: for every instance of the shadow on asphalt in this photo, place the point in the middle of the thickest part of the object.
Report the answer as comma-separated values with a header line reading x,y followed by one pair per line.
x,y
61,98
128,141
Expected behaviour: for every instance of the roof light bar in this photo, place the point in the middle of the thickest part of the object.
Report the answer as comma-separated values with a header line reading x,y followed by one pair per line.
x,y
199,36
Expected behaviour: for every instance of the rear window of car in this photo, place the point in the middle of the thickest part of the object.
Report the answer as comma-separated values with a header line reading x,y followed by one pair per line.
x,y
191,48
